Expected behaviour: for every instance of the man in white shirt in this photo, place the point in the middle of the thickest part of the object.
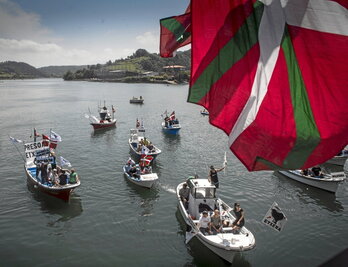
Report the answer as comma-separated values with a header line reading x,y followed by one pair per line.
x,y
204,223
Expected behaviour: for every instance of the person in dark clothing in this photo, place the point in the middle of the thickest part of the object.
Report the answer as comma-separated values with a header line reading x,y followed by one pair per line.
x,y
316,170
213,177
63,178
239,213
44,173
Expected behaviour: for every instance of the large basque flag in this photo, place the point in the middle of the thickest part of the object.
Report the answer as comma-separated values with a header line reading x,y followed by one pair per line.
x,y
274,77
175,33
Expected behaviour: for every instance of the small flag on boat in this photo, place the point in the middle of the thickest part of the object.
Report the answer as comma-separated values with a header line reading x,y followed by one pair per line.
x,y
48,142
64,162
137,124
275,218
55,137
113,109
145,160
14,140
172,116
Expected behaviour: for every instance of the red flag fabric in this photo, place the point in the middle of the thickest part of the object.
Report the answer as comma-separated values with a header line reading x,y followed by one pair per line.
x,y
145,160
273,76
172,116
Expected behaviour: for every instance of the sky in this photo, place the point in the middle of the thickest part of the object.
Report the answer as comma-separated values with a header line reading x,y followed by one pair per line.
x,y
80,32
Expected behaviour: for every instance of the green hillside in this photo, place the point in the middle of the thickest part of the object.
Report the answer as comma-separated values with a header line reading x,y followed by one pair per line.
x,y
142,66
59,71
19,70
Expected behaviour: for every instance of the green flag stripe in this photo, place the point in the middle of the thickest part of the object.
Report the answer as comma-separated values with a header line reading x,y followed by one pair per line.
x,y
176,28
244,39
308,136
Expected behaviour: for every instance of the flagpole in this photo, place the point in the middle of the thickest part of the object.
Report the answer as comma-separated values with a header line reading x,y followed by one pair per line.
x,y
17,150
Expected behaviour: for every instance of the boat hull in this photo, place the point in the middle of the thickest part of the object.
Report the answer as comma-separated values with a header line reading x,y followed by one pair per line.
x,y
324,184
146,183
174,129
136,101
61,192
103,125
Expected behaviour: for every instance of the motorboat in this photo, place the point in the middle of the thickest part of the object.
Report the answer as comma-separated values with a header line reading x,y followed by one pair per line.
x,y
39,153
140,145
326,181
136,100
204,112
140,174
202,198
106,118
171,123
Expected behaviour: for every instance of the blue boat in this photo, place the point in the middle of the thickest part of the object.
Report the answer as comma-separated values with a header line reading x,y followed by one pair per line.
x,y
171,124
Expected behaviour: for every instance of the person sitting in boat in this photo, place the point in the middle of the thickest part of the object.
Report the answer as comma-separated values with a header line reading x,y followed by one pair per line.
x,y
316,170
150,147
53,177
304,172
63,178
239,221
145,141
134,172
215,225
204,222
145,170
130,162
74,178
184,193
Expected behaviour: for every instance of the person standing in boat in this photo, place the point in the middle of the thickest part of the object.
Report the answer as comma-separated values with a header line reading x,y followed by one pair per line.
x,y
184,193
239,221
213,177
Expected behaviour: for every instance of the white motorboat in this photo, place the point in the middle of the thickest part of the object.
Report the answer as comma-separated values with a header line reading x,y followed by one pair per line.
x,y
139,144
139,177
202,197
328,181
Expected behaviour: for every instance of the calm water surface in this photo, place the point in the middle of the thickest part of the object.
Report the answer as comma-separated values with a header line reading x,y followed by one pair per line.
x,y
110,222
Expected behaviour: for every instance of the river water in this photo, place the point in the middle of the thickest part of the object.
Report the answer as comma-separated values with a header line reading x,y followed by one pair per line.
x,y
110,222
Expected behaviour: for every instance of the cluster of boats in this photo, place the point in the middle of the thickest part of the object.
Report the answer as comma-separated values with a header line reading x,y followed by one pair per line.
x,y
139,171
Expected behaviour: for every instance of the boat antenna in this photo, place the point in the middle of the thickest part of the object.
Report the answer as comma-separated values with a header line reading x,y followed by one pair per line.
x,y
17,149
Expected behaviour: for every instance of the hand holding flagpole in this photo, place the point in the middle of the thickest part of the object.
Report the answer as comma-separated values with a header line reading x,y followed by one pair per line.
x,y
225,163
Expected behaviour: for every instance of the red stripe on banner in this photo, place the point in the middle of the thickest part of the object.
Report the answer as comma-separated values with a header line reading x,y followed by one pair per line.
x,y
273,133
214,23
322,58
233,91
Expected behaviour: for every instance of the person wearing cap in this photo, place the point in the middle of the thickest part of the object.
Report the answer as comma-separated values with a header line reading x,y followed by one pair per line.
x,y
74,178
204,223
184,193
213,177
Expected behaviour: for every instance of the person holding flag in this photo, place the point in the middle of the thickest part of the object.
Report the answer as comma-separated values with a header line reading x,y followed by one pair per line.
x,y
213,177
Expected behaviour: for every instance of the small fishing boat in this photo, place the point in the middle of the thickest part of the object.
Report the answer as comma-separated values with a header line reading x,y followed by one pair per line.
x,y
40,161
326,181
139,144
204,112
106,118
339,159
202,198
171,124
136,100
140,174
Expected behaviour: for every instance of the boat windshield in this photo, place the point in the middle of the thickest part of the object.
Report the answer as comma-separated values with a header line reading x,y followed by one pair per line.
x,y
205,193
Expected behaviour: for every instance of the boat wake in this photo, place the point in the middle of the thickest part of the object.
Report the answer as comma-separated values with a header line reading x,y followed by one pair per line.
x,y
168,188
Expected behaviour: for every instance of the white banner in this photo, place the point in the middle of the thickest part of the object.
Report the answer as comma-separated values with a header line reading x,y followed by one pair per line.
x,y
275,218
30,150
